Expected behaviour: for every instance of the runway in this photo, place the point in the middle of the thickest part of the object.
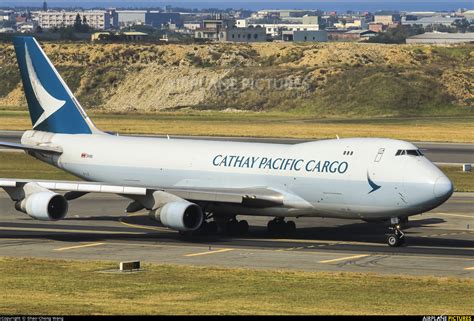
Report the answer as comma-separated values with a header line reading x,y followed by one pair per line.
x,y
439,243
440,153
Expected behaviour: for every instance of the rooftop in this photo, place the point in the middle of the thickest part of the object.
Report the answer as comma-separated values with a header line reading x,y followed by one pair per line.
x,y
441,35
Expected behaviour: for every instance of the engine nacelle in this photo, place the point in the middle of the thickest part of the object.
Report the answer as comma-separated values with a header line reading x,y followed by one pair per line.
x,y
44,206
179,215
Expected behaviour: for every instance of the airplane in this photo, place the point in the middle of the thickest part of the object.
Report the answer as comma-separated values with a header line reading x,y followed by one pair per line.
x,y
200,186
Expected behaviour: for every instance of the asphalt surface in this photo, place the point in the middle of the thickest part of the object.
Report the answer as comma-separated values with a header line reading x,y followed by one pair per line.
x,y
441,153
439,243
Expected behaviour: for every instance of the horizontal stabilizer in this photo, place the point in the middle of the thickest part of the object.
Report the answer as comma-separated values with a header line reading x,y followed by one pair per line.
x,y
44,149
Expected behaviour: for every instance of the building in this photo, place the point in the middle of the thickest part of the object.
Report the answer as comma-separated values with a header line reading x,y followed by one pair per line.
x,y
127,18
192,25
350,35
160,19
377,27
352,24
469,15
128,35
243,35
27,27
431,21
275,29
7,16
441,38
305,36
385,19
310,20
99,20
211,28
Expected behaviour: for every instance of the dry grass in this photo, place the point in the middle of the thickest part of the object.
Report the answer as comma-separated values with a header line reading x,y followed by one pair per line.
x,y
36,286
271,125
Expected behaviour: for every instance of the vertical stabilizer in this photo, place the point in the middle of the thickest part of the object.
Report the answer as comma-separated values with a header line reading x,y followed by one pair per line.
x,y
53,108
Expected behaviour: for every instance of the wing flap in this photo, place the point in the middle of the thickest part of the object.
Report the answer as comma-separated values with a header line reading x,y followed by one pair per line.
x,y
77,186
252,197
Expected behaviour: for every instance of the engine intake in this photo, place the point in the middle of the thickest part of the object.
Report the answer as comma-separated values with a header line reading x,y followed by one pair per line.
x,y
180,215
45,206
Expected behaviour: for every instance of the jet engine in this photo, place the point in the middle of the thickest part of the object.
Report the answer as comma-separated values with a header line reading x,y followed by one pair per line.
x,y
179,215
44,206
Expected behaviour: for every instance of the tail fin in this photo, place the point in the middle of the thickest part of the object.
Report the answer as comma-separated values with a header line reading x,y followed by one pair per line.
x,y
53,108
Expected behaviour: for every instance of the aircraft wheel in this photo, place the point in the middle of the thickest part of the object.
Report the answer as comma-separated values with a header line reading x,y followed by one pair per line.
x,y
290,226
243,227
394,240
271,226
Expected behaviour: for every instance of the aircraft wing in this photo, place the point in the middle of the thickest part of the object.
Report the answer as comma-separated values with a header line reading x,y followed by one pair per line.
x,y
35,148
252,196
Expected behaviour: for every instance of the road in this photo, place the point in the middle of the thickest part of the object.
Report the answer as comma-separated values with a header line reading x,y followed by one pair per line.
x,y
441,153
439,243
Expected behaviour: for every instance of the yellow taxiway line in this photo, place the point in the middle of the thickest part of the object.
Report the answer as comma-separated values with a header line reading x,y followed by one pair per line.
x,y
344,258
209,252
39,229
78,246
470,268
143,227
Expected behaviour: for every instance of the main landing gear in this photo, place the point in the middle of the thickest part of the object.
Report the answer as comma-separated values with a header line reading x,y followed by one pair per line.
x,y
279,226
395,236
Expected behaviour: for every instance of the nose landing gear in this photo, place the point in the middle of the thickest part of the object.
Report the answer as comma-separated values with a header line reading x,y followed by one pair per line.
x,y
395,236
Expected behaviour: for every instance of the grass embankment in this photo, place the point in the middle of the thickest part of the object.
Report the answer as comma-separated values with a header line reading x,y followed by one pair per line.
x,y
435,129
78,288
19,165
318,79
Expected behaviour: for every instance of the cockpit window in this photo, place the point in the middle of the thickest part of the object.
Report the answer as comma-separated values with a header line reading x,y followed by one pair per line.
x,y
411,152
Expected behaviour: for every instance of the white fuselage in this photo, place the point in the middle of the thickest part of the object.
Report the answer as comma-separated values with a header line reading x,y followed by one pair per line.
x,y
348,178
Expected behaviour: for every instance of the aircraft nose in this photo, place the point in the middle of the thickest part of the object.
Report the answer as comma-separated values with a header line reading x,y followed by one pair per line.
x,y
443,188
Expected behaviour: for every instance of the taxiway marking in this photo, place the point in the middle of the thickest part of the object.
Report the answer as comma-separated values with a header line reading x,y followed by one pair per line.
x,y
143,227
345,258
209,252
78,246
56,230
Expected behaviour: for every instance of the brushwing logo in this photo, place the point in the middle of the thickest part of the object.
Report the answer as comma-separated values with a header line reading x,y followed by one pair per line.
x,y
49,104
372,184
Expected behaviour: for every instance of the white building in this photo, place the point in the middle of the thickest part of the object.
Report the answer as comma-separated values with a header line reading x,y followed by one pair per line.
x,y
99,20
7,16
125,18
441,38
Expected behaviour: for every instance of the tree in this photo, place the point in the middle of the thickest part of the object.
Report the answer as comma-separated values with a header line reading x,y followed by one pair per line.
x,y
84,20
39,29
397,35
78,23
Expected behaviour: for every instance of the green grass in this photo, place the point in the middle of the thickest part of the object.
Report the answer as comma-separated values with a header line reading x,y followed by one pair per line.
x,y
36,286
20,165
270,124
463,181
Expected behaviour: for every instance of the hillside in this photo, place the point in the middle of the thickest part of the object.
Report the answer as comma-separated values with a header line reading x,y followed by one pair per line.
x,y
329,79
